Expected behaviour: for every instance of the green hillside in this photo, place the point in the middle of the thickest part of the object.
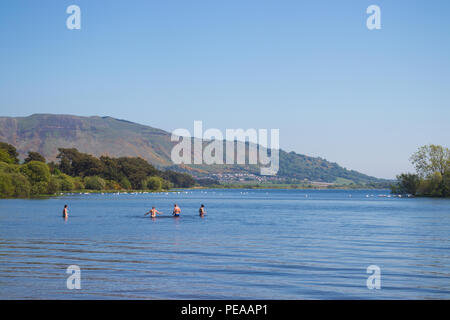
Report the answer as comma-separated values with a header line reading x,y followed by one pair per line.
x,y
45,133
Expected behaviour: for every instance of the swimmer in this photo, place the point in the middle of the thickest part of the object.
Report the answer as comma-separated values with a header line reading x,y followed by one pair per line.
x,y
176,210
65,212
202,210
153,212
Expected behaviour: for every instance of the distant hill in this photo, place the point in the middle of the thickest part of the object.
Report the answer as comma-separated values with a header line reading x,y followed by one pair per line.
x,y
98,136
45,133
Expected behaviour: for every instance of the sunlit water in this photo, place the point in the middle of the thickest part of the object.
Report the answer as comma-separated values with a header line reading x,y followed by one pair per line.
x,y
253,244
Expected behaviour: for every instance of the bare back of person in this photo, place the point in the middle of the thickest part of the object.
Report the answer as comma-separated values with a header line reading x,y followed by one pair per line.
x,y
65,212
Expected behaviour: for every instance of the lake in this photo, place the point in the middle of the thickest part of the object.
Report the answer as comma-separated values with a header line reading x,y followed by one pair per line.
x,y
252,244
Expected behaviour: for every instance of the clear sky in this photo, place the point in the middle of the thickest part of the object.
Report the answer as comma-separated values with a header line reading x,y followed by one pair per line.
x,y
365,99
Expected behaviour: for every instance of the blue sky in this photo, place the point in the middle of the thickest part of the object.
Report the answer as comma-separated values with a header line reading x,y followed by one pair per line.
x,y
365,99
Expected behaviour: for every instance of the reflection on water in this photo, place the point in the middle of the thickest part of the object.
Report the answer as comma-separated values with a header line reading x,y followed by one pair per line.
x,y
252,244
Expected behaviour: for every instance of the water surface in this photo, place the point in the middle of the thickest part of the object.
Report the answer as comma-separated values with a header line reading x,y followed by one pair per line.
x,y
253,244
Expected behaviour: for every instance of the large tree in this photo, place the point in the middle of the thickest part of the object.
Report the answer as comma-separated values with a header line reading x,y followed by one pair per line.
x,y
11,150
34,156
75,163
432,163
407,184
430,159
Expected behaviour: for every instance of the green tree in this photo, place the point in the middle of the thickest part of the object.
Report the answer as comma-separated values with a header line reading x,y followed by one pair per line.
x,y
36,172
75,163
112,185
34,156
54,168
94,183
65,182
446,184
430,159
66,157
40,187
5,157
153,183
136,170
78,183
53,186
11,150
77,171
22,187
179,180
112,169
166,185
6,185
436,186
407,184
125,183
432,163
8,168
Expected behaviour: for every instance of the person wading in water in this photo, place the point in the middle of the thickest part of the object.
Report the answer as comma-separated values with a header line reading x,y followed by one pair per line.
x,y
202,211
176,210
153,212
65,212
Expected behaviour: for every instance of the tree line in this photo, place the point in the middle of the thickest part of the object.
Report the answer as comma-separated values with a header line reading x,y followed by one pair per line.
x,y
432,177
76,171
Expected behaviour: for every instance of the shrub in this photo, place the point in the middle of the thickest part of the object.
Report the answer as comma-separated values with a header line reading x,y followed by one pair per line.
x,y
153,183
125,183
8,168
66,182
166,185
11,150
446,184
435,185
78,183
6,185
53,185
36,172
39,188
112,185
22,187
94,183
4,157
407,183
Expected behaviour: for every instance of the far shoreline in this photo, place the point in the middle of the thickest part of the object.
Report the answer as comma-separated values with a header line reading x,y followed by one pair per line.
x,y
89,192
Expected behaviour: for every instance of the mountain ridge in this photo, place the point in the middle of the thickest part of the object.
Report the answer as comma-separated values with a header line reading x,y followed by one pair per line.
x,y
105,135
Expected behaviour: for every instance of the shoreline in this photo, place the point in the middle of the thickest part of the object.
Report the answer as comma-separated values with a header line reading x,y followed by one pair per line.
x,y
234,187
88,192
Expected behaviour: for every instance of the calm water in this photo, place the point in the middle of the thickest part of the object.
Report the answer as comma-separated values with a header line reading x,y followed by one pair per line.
x,y
260,244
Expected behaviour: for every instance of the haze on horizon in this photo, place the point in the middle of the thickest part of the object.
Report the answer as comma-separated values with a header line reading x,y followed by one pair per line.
x,y
364,99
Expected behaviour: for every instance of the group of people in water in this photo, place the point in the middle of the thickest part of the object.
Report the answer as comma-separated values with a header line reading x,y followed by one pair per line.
x,y
153,212
176,211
